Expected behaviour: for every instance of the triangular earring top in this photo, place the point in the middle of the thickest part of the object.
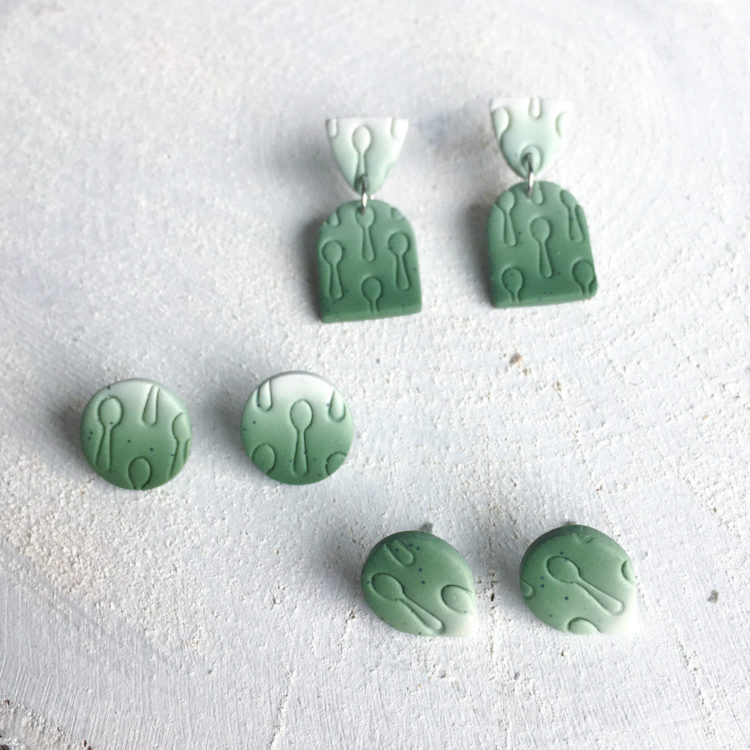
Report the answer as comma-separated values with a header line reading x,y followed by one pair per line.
x,y
530,131
366,146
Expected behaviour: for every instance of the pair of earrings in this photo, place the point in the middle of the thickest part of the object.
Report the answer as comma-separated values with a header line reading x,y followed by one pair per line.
x,y
538,238
574,578
296,428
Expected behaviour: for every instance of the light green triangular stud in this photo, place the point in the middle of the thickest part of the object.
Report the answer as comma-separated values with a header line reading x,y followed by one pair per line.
x,y
530,129
366,146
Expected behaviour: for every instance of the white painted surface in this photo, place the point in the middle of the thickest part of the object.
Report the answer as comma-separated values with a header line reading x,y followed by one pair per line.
x,y
164,168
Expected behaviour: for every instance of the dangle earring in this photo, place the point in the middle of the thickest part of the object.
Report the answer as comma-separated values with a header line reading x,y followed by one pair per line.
x,y
367,254
538,238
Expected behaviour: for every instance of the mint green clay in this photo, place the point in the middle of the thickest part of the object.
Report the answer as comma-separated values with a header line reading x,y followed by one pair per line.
x,y
296,428
367,264
539,248
530,131
136,434
366,146
419,584
578,580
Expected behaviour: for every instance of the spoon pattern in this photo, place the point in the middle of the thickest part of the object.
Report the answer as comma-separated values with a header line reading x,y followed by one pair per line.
x,y
398,244
583,273
361,140
139,471
373,260
183,436
549,242
540,231
151,407
574,229
301,417
365,220
305,433
578,580
136,434
390,588
110,415
333,253
372,290
505,203
566,571
513,282
419,584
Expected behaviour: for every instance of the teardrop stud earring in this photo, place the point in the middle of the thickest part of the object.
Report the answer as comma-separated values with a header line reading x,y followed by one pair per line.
x,y
367,254
538,237
579,580
419,584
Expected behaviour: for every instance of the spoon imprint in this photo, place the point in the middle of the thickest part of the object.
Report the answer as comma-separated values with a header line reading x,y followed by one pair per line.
x,y
566,571
301,416
390,588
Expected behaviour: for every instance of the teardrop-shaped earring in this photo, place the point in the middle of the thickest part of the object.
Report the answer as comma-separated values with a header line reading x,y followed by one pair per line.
x,y
419,584
367,254
538,237
579,580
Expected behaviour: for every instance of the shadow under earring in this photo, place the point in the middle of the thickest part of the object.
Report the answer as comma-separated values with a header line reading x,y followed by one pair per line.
x,y
538,238
367,254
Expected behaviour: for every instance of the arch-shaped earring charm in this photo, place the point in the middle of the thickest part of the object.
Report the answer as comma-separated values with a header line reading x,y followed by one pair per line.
x,y
538,236
367,253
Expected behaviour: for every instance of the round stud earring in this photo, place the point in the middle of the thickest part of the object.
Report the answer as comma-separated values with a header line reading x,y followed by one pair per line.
x,y
136,434
419,584
578,580
296,428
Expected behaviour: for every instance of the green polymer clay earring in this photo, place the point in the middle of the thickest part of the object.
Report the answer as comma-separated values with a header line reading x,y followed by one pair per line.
x,y
296,428
538,237
367,254
579,580
419,584
136,434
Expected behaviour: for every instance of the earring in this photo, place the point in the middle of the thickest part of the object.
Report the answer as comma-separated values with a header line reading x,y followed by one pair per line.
x,y
419,584
367,254
538,237
296,428
136,434
578,580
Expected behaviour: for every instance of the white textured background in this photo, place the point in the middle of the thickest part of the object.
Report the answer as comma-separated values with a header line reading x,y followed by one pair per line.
x,y
164,170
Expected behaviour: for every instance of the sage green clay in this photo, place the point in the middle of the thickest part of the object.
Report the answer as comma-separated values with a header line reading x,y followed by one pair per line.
x,y
419,584
297,428
539,248
578,580
136,434
367,264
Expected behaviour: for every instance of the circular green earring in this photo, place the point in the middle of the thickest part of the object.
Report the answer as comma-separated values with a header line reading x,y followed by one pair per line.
x,y
578,580
136,434
419,584
296,428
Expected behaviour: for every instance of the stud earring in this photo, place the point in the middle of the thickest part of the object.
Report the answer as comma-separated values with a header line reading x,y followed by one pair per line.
x,y
538,237
296,428
136,434
419,584
578,580
367,254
